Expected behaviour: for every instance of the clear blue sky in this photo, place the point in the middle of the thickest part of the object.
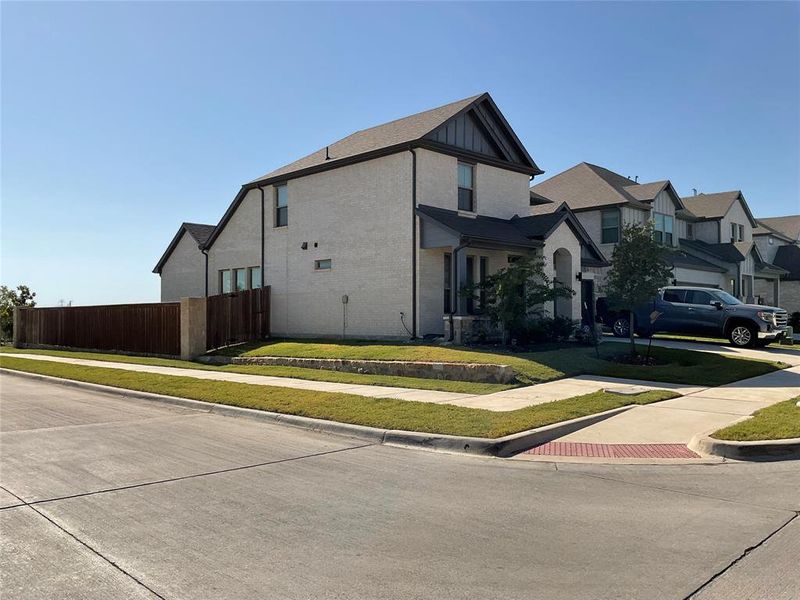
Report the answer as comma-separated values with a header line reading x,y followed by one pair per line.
x,y
121,120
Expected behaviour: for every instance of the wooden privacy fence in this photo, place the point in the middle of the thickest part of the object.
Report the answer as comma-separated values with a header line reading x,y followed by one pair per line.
x,y
136,328
237,317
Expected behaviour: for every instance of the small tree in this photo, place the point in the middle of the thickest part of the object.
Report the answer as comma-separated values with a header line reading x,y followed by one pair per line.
x,y
9,298
516,292
639,269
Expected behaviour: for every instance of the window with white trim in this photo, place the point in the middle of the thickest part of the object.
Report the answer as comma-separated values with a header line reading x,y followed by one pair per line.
x,y
662,229
281,205
466,187
609,226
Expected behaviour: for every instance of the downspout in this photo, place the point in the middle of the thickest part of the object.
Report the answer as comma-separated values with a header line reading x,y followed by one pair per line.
x,y
454,299
263,212
413,243
205,253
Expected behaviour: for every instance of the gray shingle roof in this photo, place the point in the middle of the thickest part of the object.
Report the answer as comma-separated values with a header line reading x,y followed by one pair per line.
x,y
716,205
587,186
480,227
788,226
400,131
788,257
646,191
732,253
680,258
199,231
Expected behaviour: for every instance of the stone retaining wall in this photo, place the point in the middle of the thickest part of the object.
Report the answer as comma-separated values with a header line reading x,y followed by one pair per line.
x,y
473,372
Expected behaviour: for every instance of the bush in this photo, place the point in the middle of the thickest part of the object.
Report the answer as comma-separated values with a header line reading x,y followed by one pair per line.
x,y
545,329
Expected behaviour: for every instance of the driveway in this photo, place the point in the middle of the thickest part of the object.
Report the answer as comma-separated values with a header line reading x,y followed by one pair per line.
x,y
107,497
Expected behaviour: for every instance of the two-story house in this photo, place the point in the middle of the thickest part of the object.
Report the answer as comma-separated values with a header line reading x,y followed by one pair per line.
x,y
723,234
778,241
694,228
375,235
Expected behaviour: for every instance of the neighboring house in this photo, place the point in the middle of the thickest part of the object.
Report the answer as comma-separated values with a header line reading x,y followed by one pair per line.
x,y
182,267
605,201
392,220
778,240
693,228
723,234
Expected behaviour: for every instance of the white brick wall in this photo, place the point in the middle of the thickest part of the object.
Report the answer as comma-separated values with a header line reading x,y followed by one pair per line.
x,y
183,275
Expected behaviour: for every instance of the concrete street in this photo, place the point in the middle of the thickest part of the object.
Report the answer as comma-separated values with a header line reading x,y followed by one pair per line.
x,y
107,497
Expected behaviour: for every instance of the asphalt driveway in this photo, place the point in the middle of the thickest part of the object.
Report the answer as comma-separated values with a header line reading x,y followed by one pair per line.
x,y
106,497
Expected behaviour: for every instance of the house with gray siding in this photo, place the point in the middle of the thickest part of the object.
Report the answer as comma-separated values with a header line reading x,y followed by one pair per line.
x,y
693,228
374,235
778,241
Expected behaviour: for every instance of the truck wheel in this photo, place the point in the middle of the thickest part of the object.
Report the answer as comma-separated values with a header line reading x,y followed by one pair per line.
x,y
621,327
743,336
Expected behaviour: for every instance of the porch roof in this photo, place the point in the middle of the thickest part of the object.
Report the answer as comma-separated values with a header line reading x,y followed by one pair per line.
x,y
681,259
482,228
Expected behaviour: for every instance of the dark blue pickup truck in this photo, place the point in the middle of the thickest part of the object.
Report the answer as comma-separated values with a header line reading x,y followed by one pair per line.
x,y
706,312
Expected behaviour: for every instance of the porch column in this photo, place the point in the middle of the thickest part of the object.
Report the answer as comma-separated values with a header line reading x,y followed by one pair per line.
x,y
776,292
461,280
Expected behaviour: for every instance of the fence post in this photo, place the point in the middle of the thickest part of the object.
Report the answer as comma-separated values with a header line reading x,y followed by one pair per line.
x,y
193,327
16,325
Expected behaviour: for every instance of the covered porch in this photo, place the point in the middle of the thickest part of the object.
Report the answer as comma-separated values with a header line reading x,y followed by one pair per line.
x,y
457,250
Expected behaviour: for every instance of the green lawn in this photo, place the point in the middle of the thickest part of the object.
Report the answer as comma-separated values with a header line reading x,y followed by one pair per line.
x,y
346,408
462,387
681,366
777,422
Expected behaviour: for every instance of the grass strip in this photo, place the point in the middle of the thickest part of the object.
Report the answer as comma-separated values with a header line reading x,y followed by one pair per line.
x,y
679,366
777,422
346,408
419,383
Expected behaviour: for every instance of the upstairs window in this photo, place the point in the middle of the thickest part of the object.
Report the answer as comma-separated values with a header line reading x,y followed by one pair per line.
x,y
741,233
662,231
610,226
466,185
281,206
737,232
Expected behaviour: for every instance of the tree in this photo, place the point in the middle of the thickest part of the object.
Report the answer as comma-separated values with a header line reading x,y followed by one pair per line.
x,y
9,298
516,292
639,269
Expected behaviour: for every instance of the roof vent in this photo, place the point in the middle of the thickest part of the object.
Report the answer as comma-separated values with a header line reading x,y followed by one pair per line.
x,y
694,191
636,179
327,155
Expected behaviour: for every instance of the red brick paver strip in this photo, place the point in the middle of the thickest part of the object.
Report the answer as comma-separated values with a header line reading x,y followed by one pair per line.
x,y
586,450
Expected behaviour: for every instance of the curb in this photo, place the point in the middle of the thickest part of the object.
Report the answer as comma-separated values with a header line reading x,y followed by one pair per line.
x,y
499,447
759,450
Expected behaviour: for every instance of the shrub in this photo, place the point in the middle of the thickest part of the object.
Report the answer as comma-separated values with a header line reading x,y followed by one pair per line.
x,y
545,329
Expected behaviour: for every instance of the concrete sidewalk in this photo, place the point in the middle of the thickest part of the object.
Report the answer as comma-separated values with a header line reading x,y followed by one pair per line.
x,y
499,401
704,411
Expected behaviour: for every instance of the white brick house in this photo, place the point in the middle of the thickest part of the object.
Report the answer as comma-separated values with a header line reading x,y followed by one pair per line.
x,y
395,218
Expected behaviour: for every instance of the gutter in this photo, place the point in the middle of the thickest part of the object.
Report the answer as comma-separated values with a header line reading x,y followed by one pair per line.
x,y
263,212
205,253
413,242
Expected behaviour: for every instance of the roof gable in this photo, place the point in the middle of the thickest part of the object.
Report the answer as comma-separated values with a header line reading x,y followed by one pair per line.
x,y
710,207
482,129
788,226
586,186
199,232
473,124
